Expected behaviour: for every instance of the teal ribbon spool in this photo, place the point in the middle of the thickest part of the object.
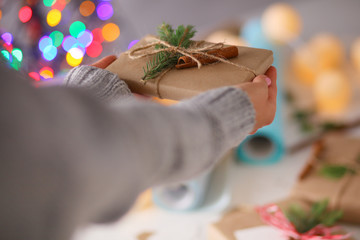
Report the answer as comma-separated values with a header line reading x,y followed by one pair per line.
x,y
266,147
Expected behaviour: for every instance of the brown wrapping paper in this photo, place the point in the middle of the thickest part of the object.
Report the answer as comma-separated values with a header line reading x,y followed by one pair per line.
x,y
342,193
186,83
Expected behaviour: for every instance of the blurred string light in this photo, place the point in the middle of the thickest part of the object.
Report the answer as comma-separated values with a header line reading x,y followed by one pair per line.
x,y
110,32
104,10
14,56
53,17
132,43
49,3
76,28
60,5
87,8
58,46
47,72
25,14
7,38
57,38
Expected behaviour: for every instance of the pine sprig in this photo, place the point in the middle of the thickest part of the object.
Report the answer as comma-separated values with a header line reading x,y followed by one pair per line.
x,y
164,60
305,221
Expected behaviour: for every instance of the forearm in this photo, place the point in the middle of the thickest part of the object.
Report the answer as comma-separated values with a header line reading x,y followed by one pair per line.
x,y
112,155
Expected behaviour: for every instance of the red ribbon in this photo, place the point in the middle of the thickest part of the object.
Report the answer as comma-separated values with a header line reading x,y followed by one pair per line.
x,y
272,215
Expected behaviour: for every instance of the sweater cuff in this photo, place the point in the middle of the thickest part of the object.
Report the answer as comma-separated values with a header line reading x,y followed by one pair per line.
x,y
231,111
102,83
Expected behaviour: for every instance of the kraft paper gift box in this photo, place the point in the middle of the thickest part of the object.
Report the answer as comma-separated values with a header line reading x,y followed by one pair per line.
x,y
343,193
242,219
178,84
246,224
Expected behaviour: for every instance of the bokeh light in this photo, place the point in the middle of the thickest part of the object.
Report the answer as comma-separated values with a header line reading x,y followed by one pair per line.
x,y
329,50
7,37
53,40
6,55
87,8
77,53
47,73
76,28
59,5
8,47
54,17
85,38
49,3
132,43
57,38
25,14
97,35
94,50
17,53
104,10
44,42
50,53
0,14
332,92
71,60
69,42
34,75
281,23
110,32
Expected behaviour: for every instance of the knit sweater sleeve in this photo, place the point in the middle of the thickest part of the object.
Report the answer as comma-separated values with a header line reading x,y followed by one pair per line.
x,y
103,84
74,159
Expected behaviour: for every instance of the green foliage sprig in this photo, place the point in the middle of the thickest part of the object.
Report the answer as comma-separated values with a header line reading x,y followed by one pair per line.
x,y
180,37
336,171
305,221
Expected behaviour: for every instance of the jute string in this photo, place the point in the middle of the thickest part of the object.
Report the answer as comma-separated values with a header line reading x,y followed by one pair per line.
x,y
140,52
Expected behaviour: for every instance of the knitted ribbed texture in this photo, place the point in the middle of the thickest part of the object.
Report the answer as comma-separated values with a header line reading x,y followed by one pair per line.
x,y
104,84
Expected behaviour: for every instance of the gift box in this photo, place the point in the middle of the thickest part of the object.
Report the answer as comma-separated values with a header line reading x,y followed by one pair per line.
x,y
343,191
233,222
248,224
178,84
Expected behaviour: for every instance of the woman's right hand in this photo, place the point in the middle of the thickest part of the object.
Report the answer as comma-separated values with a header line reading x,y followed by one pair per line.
x,y
262,92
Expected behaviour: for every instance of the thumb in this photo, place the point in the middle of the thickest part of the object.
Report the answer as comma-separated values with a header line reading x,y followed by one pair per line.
x,y
262,79
261,83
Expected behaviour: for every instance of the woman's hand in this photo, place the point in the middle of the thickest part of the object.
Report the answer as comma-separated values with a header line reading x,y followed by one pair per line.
x,y
262,92
104,62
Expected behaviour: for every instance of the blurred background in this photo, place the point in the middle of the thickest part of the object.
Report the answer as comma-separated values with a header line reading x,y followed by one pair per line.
x,y
316,45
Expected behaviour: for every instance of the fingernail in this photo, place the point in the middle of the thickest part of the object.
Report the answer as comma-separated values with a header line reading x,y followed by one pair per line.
x,y
268,81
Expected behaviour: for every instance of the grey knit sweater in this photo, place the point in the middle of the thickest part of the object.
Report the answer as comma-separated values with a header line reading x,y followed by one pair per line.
x,y
69,158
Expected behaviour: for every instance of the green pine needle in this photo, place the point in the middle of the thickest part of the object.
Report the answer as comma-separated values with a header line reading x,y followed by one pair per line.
x,y
164,60
305,221
335,171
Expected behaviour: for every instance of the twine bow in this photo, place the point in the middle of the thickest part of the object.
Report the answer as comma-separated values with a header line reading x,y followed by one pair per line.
x,y
141,52
272,215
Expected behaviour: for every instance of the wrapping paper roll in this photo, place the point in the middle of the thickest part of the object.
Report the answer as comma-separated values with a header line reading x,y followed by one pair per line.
x,y
267,145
